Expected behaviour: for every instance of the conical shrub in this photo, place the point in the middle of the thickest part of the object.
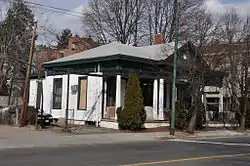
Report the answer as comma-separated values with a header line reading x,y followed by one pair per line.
x,y
133,115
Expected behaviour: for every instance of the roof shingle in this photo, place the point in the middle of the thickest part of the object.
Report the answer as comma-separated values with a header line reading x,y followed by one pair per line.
x,y
154,52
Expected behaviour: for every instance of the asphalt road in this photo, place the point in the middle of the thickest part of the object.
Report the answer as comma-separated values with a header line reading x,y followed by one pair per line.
x,y
240,140
148,153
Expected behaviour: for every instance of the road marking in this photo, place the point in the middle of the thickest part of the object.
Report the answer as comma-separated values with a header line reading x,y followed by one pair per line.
x,y
188,159
211,142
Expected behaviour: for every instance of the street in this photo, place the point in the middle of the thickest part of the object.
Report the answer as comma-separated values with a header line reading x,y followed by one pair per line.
x,y
173,153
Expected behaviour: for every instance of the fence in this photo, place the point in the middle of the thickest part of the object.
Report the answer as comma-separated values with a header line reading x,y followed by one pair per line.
x,y
7,119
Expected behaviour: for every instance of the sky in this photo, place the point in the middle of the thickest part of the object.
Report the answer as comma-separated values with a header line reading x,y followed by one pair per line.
x,y
220,6
60,21
57,22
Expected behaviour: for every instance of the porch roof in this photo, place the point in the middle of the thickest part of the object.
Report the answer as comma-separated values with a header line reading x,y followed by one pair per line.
x,y
154,52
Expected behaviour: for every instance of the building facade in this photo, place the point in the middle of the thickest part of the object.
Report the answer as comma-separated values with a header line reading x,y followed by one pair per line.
x,y
96,80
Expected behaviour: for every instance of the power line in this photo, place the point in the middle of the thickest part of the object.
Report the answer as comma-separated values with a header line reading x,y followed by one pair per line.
x,y
49,8
54,11
52,7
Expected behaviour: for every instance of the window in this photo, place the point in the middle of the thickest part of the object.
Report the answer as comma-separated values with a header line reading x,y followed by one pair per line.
x,y
39,94
82,95
57,93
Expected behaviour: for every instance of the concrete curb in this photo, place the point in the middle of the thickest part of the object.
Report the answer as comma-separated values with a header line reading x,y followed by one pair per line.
x,y
195,137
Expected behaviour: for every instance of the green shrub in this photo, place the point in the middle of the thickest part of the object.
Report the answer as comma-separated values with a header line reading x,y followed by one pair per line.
x,y
181,117
133,115
247,123
184,116
200,118
120,119
247,114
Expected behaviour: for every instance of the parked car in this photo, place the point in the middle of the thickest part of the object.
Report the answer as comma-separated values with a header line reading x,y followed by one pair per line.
x,y
48,118
32,116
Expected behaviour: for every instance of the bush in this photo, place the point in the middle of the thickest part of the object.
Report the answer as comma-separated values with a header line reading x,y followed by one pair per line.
x,y
120,119
184,116
200,118
181,117
133,115
1,118
247,123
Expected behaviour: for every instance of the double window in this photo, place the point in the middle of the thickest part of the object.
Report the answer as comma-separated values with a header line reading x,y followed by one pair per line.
x,y
57,93
82,94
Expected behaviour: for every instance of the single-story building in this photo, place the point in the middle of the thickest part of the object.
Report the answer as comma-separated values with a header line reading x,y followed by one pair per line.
x,y
97,81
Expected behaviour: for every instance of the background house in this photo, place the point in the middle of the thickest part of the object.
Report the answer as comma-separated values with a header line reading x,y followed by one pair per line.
x,y
229,58
75,45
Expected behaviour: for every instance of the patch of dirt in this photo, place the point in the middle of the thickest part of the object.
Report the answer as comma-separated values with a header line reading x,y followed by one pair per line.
x,y
82,130
150,130
166,129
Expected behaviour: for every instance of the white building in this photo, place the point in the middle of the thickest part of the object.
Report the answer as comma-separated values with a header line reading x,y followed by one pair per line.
x,y
98,79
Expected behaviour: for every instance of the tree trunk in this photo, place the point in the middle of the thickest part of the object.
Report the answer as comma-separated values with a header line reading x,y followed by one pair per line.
x,y
192,122
242,123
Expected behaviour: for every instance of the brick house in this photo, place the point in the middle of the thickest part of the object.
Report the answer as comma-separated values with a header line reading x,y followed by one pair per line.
x,y
75,45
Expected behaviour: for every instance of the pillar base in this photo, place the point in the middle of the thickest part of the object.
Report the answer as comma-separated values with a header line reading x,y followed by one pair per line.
x,y
172,131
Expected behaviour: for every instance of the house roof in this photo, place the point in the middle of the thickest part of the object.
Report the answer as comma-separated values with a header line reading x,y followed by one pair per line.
x,y
159,51
154,52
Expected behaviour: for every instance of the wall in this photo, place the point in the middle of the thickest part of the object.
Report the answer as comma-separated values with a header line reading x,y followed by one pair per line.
x,y
94,98
32,92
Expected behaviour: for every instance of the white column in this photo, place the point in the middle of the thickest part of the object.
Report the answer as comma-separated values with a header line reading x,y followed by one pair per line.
x,y
118,94
155,99
221,100
168,95
105,99
64,95
161,100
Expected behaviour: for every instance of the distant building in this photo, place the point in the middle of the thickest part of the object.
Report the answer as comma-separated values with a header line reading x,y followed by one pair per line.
x,y
75,45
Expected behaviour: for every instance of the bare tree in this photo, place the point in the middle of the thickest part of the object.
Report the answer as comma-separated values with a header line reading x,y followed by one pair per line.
x,y
134,21
232,30
114,20
244,72
15,33
161,16
200,31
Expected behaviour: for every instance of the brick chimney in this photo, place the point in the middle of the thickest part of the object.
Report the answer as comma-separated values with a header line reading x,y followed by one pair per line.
x,y
159,38
61,54
71,43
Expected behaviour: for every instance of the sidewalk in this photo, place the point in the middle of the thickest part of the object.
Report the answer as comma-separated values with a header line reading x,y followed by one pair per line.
x,y
11,137
205,135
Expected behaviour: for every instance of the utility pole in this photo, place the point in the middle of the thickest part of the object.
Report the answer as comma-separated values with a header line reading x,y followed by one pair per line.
x,y
27,79
66,127
172,124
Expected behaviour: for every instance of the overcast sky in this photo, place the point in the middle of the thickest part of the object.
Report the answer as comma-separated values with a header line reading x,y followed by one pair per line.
x,y
60,21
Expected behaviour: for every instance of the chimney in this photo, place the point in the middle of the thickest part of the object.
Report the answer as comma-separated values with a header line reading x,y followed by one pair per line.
x,y
61,54
159,38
